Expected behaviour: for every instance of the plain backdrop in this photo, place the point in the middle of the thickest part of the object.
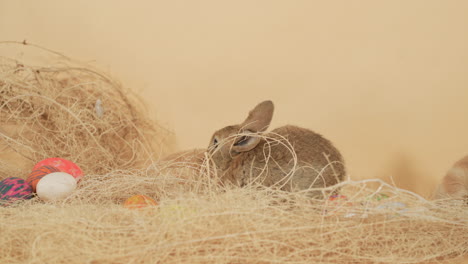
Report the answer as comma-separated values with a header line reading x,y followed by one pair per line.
x,y
386,81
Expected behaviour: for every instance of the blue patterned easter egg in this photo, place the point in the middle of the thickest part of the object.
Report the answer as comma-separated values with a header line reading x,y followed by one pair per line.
x,y
13,189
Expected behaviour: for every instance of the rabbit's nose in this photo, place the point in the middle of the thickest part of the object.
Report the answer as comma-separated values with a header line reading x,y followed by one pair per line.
x,y
242,183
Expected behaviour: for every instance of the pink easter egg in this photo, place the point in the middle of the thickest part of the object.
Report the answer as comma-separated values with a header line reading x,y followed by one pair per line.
x,y
14,189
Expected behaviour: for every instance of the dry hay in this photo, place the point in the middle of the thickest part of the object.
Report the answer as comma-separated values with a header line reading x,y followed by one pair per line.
x,y
199,221
67,110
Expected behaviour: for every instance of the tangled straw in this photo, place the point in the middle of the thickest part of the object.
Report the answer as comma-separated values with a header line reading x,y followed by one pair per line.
x,y
75,113
54,111
199,222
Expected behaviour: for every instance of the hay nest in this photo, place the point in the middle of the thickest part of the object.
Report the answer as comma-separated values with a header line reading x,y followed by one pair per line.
x,y
197,220
74,112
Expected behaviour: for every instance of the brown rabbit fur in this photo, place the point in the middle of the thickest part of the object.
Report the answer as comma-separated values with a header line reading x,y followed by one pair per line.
x,y
455,182
289,157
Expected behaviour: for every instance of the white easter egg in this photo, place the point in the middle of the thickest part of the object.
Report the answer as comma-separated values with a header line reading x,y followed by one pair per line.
x,y
55,186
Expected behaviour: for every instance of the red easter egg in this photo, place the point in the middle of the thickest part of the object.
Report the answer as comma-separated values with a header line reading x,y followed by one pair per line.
x,y
38,173
63,165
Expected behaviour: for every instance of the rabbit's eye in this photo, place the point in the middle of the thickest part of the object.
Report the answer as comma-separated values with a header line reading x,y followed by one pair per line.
x,y
241,141
215,142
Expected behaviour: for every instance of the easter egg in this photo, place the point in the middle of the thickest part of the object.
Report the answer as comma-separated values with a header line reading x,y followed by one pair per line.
x,y
380,196
55,186
139,201
337,198
38,173
392,209
63,165
393,206
337,205
13,188
176,211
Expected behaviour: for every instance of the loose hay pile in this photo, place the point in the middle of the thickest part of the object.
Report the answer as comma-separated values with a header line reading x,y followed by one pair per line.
x,y
214,225
197,221
69,111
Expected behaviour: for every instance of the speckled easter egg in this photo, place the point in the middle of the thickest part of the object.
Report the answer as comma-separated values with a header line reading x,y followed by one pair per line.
x,y
139,201
38,173
14,188
63,165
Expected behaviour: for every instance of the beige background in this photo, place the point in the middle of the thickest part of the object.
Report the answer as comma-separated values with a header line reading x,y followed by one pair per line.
x,y
387,81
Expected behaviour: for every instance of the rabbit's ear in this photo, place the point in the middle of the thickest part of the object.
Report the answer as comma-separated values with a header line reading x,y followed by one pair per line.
x,y
259,118
245,143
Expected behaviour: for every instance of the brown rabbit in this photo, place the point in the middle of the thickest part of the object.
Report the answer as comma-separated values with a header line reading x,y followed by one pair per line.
x,y
455,182
289,157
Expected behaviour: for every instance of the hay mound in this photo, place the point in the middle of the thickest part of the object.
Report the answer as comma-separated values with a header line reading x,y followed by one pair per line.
x,y
55,111
73,112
